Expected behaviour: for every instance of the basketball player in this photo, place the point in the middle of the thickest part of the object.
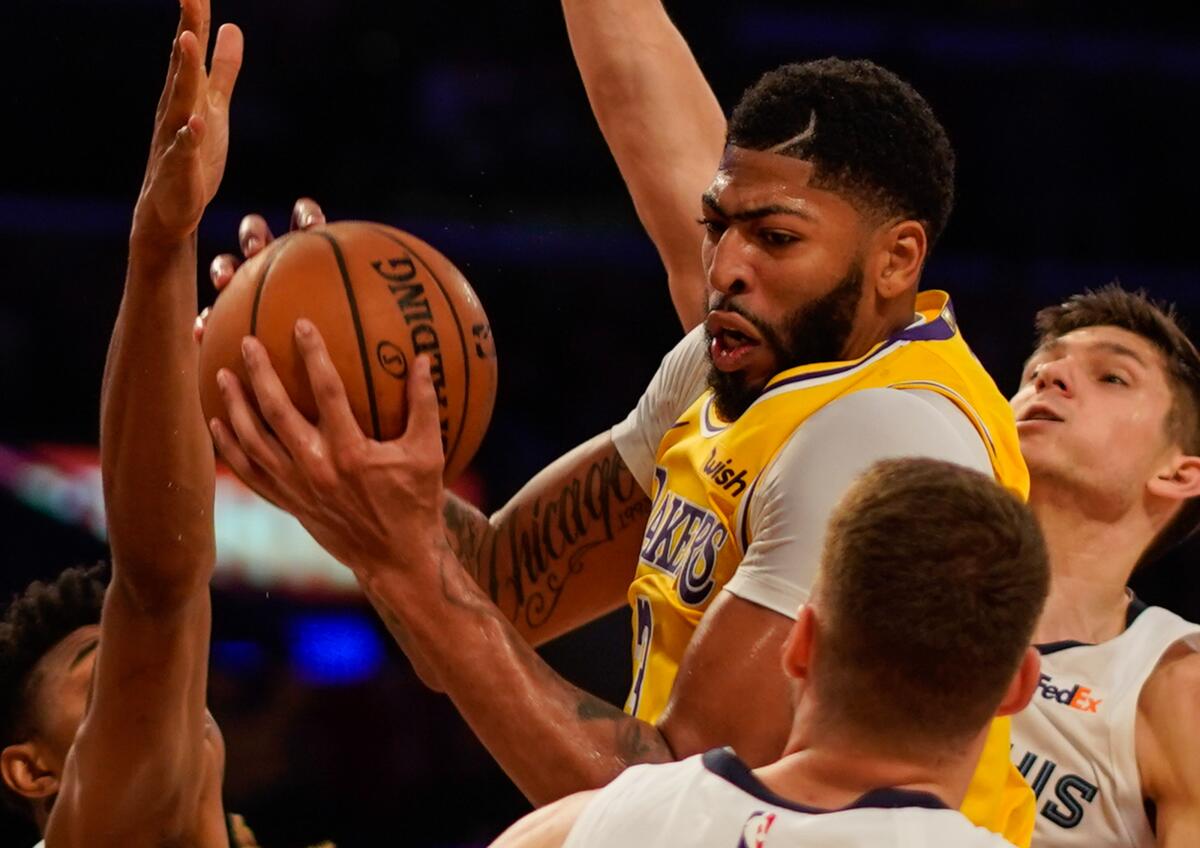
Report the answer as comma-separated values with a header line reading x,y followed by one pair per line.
x,y
106,740
1109,417
835,182
1103,508
891,704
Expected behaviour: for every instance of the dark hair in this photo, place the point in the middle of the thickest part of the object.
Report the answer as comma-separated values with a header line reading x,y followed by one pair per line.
x,y
1158,323
872,135
932,579
37,620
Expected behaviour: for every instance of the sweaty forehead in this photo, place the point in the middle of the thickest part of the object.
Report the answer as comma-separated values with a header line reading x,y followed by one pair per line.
x,y
761,173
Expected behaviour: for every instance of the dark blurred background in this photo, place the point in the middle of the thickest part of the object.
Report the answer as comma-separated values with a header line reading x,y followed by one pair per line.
x,y
468,126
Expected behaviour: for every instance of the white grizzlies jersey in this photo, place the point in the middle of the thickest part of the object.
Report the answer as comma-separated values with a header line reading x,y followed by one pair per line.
x,y
1074,743
713,800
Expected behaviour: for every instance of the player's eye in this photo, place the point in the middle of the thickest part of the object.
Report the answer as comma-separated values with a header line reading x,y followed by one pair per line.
x,y
1115,379
778,238
713,226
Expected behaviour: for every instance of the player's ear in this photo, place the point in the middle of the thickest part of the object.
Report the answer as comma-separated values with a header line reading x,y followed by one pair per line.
x,y
797,648
897,258
26,772
1178,479
1023,684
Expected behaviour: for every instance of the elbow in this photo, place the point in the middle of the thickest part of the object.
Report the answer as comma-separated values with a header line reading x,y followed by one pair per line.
x,y
163,585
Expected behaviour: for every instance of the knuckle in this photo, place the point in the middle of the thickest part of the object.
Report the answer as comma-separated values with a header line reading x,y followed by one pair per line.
x,y
272,410
322,474
328,390
350,459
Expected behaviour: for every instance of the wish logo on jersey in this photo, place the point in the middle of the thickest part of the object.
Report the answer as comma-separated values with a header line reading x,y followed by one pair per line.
x,y
754,831
1076,697
683,540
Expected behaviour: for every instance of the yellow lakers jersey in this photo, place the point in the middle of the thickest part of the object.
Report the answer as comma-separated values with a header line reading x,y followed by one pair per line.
x,y
706,472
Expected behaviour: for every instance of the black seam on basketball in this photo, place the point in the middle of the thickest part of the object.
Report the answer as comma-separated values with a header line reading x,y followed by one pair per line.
x,y
462,425
358,331
259,286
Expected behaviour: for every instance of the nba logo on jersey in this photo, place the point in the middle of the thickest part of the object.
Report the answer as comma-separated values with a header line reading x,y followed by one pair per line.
x,y
754,832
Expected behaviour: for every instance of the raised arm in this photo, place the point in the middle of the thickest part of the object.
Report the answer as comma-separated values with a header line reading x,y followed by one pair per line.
x,y
662,123
141,761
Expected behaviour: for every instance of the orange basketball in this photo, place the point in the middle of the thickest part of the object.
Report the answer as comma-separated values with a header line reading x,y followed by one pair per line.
x,y
379,297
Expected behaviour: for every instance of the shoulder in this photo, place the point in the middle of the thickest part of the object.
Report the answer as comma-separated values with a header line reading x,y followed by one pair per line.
x,y
1168,740
863,427
680,379
895,410
547,827
686,364
1174,684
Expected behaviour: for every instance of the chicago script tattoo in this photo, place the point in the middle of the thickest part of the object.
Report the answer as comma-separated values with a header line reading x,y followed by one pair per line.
x,y
525,560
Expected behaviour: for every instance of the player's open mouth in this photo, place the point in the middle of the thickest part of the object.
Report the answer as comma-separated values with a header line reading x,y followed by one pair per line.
x,y
1039,412
733,339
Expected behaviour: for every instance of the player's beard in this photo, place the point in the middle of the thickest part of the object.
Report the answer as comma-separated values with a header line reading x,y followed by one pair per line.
x,y
816,332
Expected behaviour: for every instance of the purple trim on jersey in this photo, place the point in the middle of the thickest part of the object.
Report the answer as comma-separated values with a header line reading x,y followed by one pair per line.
x,y
939,329
725,764
812,375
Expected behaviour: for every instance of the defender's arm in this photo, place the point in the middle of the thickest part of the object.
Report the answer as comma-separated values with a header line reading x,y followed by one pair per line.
x,y
139,758
662,123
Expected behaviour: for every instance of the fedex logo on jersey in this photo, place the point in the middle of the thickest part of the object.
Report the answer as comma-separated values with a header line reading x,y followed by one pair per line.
x,y
754,831
1076,697
683,540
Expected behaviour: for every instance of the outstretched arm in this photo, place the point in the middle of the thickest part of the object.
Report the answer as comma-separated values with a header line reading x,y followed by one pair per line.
x,y
662,123
139,760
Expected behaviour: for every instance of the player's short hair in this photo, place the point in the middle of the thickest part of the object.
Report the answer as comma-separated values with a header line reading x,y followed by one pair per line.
x,y
37,620
870,135
1158,323
932,579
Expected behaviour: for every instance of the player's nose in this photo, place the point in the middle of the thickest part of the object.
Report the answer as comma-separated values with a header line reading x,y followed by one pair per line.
x,y
1056,374
731,269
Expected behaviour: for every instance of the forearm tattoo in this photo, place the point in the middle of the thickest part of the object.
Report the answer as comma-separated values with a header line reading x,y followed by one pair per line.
x,y
525,561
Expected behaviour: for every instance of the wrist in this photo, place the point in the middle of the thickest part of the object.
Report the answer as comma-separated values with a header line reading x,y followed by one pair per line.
x,y
151,242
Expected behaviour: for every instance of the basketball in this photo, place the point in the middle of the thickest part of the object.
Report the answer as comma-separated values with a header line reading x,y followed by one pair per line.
x,y
379,297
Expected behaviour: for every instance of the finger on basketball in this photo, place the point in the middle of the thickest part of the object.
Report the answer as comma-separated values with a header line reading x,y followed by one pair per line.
x,y
424,424
333,408
290,427
306,213
253,234
200,323
222,269
239,463
254,441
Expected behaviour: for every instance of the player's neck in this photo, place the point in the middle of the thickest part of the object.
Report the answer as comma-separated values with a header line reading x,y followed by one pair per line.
x,y
875,329
1090,562
829,769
